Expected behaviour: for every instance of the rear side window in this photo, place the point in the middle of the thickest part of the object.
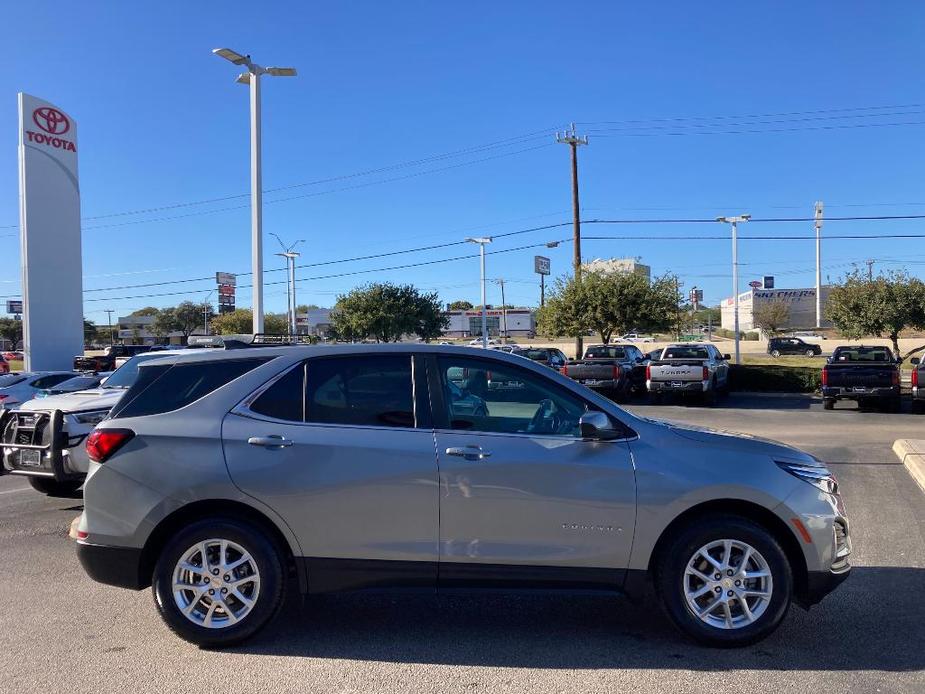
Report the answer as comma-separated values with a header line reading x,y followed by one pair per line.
x,y
165,388
369,390
285,399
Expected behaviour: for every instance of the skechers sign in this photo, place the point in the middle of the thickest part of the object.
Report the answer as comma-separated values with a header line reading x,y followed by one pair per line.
x,y
54,124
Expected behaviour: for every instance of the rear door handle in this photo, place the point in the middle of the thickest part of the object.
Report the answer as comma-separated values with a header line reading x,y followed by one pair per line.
x,y
468,452
271,441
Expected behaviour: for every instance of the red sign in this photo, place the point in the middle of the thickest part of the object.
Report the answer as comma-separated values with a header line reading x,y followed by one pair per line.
x,y
755,284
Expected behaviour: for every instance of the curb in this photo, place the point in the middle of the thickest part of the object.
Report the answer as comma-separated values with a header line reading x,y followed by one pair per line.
x,y
772,394
912,454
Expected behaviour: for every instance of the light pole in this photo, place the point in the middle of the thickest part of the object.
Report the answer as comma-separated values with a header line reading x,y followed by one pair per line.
x,y
500,281
109,320
290,255
251,76
481,241
818,224
206,310
735,272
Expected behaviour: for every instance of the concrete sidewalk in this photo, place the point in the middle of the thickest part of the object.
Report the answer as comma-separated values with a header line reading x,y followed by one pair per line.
x,y
912,454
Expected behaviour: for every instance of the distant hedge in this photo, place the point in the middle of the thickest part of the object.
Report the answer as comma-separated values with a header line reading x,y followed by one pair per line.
x,y
772,378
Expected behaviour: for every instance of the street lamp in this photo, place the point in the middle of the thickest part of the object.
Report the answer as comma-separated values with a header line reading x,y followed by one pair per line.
x,y
481,241
735,272
290,255
251,76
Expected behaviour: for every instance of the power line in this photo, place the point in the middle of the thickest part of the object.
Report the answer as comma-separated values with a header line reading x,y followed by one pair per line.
x,y
599,133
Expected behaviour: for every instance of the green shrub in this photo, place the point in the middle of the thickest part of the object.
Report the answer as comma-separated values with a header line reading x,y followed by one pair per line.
x,y
770,379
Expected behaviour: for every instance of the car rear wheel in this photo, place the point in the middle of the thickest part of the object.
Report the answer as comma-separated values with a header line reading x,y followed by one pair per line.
x,y
51,487
775,353
218,582
724,581
828,404
810,353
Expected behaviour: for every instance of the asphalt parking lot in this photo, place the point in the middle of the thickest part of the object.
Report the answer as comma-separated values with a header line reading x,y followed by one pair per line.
x,y
60,632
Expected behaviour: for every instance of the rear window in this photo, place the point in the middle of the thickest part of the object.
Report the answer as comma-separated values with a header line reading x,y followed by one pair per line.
x,y
168,387
685,353
863,354
604,352
10,380
535,354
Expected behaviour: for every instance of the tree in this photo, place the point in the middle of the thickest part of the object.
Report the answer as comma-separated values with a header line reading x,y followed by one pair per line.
x,y
771,316
146,311
241,322
609,303
305,308
90,332
460,306
165,322
188,317
11,329
883,306
385,312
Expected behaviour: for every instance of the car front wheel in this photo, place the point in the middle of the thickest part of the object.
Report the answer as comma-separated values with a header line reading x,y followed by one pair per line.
x,y
725,581
218,582
775,353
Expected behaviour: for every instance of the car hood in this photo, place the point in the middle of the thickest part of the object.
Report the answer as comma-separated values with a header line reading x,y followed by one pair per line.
x,y
744,443
79,401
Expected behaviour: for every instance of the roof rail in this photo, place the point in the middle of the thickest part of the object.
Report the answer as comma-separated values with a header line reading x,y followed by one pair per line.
x,y
240,341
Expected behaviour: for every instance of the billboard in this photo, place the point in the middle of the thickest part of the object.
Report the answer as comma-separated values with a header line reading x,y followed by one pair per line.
x,y
541,265
14,306
227,281
49,233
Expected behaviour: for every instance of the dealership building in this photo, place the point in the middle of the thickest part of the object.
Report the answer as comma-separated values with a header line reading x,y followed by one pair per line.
x,y
521,322
802,307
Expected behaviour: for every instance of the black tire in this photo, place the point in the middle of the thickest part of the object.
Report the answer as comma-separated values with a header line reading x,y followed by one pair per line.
x,y
918,407
708,399
810,353
655,398
775,353
51,487
672,563
894,405
268,558
828,404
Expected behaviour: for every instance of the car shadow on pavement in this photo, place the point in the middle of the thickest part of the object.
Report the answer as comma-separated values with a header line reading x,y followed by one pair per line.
x,y
734,401
862,626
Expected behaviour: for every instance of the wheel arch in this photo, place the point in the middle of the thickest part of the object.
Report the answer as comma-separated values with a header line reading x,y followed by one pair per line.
x,y
215,508
751,511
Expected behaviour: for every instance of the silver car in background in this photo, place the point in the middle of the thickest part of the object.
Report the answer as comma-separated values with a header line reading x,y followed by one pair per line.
x,y
224,479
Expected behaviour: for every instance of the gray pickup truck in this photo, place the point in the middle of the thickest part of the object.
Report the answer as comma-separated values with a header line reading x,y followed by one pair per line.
x,y
616,370
691,368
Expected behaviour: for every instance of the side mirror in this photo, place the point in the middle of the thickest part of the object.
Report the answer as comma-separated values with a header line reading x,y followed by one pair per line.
x,y
727,357
103,381
915,361
597,426
639,360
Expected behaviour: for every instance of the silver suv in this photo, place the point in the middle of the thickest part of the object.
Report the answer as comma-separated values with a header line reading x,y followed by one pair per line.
x,y
223,479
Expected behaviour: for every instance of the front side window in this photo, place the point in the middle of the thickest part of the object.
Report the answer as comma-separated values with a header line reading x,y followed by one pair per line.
x,y
498,398
363,390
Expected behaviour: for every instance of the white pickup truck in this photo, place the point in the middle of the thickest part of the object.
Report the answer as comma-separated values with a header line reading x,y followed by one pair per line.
x,y
43,438
688,368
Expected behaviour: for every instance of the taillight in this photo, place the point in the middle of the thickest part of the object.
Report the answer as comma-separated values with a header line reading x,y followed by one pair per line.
x,y
648,372
706,373
915,378
895,380
616,373
102,443
825,376
564,371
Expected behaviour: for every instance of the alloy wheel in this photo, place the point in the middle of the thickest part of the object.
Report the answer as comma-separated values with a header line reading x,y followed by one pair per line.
x,y
727,584
216,583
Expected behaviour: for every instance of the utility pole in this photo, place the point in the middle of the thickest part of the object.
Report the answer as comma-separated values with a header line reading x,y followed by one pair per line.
x,y
735,273
571,138
818,224
109,313
542,291
500,281
481,241
870,269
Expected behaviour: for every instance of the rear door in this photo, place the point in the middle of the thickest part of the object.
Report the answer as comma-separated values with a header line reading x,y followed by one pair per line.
x,y
523,497
342,449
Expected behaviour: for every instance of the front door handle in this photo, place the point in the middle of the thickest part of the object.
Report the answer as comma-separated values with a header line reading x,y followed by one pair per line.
x,y
468,452
271,441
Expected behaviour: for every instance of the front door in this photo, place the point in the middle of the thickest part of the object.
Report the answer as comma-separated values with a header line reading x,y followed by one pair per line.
x,y
339,449
523,499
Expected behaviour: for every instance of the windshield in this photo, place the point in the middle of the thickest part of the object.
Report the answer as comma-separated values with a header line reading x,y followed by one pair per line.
x,y
852,354
124,377
604,352
10,379
77,383
685,353
534,354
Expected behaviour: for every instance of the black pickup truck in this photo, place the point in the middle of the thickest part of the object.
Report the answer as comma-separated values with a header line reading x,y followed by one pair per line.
x,y
617,369
107,360
864,374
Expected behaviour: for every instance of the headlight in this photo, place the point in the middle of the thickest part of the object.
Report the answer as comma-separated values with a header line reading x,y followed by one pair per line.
x,y
817,475
93,418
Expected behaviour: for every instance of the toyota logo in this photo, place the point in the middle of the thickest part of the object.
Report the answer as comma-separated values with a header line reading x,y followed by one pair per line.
x,y
51,120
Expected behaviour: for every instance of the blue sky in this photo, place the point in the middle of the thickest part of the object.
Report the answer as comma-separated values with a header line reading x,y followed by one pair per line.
x,y
662,89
